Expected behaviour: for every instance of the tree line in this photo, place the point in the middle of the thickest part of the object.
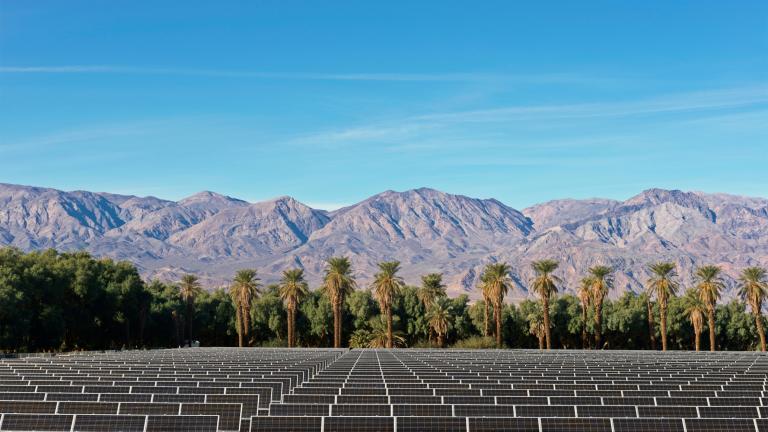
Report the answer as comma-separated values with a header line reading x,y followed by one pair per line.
x,y
52,301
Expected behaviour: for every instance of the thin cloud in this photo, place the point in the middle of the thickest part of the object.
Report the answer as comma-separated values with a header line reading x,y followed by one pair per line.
x,y
421,131
383,76
686,102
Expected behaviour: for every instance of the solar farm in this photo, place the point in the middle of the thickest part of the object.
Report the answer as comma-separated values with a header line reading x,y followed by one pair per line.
x,y
264,390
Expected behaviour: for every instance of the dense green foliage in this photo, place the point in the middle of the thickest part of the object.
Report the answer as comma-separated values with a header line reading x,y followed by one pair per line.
x,y
67,301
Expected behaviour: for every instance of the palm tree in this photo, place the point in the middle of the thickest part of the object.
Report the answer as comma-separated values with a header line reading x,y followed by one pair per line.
x,y
386,287
584,293
497,281
754,289
431,288
709,287
695,310
662,285
544,286
486,292
601,284
293,289
244,289
189,288
439,319
337,284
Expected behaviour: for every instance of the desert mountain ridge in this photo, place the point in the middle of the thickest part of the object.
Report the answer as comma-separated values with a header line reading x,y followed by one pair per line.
x,y
213,235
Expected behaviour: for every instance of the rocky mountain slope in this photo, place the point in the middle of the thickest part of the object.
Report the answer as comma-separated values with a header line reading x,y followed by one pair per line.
x,y
214,235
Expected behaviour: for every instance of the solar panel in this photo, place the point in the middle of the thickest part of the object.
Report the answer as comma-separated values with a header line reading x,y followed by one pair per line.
x,y
359,424
431,424
191,423
719,425
648,425
109,423
37,422
490,424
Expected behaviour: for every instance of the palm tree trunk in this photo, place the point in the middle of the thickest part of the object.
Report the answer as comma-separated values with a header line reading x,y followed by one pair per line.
x,y
486,331
759,325
651,326
337,325
598,324
290,327
541,341
584,338
711,319
440,340
697,331
663,318
497,317
547,330
240,327
389,327
189,320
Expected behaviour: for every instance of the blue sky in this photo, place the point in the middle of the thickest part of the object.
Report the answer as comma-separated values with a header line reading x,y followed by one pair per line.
x,y
333,101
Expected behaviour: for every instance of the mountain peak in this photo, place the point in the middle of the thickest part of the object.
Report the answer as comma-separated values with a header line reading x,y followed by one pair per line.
x,y
208,196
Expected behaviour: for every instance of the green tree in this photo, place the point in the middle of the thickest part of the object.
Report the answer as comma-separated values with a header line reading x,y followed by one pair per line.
x,y
496,280
386,287
544,284
189,288
601,285
663,286
380,337
439,316
709,286
753,290
337,284
537,325
293,289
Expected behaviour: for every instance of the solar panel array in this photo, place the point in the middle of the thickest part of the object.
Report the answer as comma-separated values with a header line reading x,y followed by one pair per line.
x,y
265,390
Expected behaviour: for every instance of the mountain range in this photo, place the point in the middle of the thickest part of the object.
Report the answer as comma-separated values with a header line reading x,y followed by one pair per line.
x,y
213,235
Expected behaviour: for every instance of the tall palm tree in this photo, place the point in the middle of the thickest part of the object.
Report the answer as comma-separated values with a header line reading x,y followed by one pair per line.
x,y
386,287
544,284
439,319
497,281
293,289
337,284
189,288
663,286
584,293
431,288
754,289
709,287
601,284
244,289
695,308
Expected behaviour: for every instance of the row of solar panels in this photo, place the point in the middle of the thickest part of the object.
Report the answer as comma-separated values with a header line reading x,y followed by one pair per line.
x,y
389,390
203,423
